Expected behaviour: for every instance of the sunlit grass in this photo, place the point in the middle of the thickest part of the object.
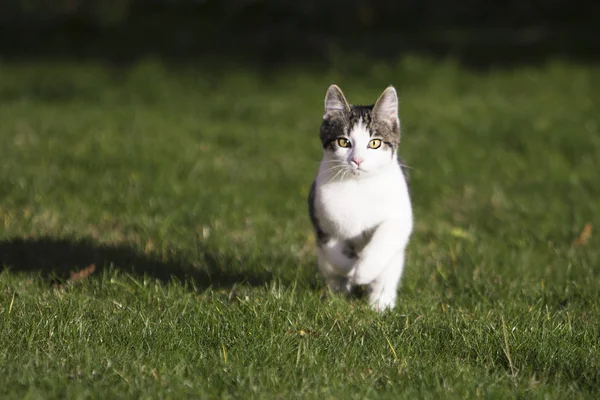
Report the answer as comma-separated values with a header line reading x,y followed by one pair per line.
x,y
186,188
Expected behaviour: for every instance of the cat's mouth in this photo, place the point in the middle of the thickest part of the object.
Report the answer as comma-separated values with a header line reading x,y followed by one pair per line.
x,y
356,170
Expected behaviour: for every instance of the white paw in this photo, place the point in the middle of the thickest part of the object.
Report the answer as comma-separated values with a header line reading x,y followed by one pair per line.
x,y
363,276
383,304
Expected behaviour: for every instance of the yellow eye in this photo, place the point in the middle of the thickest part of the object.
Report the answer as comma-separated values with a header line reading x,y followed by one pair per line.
x,y
343,142
375,144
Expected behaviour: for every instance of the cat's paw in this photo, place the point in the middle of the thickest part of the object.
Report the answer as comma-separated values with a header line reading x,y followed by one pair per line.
x,y
339,284
382,305
363,276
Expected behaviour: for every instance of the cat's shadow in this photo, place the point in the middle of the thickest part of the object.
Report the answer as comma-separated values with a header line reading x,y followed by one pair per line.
x,y
56,259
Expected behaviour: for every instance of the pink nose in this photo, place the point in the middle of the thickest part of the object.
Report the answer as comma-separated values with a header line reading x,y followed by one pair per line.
x,y
357,161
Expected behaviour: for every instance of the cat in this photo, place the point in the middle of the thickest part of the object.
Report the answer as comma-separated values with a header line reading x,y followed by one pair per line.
x,y
359,203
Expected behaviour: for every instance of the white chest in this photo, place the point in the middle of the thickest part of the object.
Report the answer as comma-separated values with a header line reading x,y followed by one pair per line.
x,y
348,208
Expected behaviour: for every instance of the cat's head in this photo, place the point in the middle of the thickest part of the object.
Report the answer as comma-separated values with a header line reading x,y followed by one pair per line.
x,y
360,140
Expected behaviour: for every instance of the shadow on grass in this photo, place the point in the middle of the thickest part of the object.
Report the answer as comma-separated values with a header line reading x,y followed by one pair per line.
x,y
55,259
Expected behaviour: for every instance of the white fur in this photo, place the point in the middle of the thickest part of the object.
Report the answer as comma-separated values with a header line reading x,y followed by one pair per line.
x,y
351,200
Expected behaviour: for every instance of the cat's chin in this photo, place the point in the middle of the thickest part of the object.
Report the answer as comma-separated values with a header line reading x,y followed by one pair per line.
x,y
357,172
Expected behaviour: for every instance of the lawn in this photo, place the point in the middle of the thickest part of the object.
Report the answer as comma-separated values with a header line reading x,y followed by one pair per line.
x,y
155,242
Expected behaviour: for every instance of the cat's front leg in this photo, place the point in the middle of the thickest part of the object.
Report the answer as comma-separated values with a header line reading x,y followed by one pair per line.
x,y
390,238
339,255
384,289
337,281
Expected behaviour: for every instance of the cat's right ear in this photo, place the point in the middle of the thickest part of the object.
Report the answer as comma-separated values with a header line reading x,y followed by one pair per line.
x,y
335,101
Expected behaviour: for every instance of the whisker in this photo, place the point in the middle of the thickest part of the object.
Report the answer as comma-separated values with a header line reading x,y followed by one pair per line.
x,y
333,171
341,173
327,161
336,169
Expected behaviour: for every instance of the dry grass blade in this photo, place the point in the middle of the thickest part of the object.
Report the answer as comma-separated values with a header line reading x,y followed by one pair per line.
x,y
584,236
513,370
82,274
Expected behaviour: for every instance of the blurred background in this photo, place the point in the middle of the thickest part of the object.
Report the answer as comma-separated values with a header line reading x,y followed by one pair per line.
x,y
309,31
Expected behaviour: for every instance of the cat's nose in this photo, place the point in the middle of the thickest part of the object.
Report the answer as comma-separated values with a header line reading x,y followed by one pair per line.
x,y
357,161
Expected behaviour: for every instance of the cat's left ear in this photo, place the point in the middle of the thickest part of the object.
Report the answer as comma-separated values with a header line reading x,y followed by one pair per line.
x,y
386,107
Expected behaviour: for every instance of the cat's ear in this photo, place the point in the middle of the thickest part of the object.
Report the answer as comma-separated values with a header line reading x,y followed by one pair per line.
x,y
335,101
386,107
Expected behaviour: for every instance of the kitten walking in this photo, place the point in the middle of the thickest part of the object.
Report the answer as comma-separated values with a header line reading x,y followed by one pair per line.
x,y
359,203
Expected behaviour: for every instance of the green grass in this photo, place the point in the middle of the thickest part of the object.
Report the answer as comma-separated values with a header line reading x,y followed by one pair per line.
x,y
186,188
